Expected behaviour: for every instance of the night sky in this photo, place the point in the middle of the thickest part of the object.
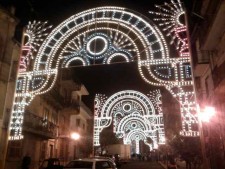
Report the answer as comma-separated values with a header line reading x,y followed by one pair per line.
x,y
97,79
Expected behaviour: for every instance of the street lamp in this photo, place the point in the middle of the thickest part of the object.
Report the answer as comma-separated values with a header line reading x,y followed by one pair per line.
x,y
205,115
75,136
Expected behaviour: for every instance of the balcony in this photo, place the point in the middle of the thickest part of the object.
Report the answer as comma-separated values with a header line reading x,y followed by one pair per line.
x,y
73,107
219,79
38,126
53,97
85,110
202,61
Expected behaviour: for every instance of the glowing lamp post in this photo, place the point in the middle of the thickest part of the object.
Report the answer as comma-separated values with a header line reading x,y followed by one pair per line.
x,y
205,116
75,136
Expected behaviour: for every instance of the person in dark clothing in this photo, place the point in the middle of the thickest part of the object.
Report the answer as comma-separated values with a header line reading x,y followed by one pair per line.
x,y
26,162
171,163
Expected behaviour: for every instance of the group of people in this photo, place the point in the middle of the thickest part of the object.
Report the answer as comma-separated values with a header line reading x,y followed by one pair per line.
x,y
191,161
171,162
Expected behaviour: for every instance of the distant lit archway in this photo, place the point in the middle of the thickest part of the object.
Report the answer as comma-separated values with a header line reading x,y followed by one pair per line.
x,y
133,115
106,35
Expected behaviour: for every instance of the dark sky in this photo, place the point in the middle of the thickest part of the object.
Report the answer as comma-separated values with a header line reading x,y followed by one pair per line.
x,y
58,10
97,79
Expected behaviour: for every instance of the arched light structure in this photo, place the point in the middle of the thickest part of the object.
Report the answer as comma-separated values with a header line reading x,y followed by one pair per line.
x,y
133,115
101,36
172,20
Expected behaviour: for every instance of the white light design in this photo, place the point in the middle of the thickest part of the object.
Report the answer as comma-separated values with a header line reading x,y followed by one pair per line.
x,y
92,40
118,54
169,18
133,116
178,78
34,35
125,34
26,81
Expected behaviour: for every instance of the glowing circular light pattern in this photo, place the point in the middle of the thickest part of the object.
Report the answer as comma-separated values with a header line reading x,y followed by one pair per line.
x,y
169,18
117,26
137,135
118,54
84,63
114,44
130,111
147,106
127,107
92,40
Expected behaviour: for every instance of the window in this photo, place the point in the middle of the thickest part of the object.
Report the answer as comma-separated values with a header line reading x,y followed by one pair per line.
x,y
84,126
15,148
54,117
207,86
78,122
51,150
43,150
45,117
80,164
102,165
78,97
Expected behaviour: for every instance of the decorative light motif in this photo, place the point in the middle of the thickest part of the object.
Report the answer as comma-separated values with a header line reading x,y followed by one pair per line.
x,y
170,19
83,47
34,35
27,81
120,33
175,72
133,116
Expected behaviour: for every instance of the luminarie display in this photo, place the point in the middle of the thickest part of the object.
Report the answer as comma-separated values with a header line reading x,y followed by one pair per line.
x,y
101,36
133,116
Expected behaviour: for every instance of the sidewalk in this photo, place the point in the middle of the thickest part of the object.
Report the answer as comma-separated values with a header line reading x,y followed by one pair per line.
x,y
180,164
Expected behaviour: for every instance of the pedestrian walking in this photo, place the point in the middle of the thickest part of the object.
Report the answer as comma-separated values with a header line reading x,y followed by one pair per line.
x,y
26,162
171,162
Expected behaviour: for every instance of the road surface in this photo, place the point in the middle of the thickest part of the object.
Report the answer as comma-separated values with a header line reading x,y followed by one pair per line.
x,y
141,165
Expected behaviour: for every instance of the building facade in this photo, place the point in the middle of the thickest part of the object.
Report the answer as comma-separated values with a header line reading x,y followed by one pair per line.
x,y
208,37
9,52
49,121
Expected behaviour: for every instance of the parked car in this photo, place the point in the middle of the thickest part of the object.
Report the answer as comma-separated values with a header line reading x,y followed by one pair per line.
x,y
107,158
51,163
112,158
91,163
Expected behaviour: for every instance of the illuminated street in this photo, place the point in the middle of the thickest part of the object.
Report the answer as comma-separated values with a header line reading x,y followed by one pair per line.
x,y
95,83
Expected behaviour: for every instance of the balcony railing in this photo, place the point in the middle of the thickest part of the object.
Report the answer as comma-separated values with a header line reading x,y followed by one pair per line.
x,y
86,109
37,125
218,75
204,56
55,98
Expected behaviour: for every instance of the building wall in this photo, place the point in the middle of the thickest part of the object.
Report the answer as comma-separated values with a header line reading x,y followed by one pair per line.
x,y
210,78
39,143
9,53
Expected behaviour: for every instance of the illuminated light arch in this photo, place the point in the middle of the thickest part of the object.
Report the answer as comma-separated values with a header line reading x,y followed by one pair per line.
x,y
122,32
129,110
137,135
172,20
